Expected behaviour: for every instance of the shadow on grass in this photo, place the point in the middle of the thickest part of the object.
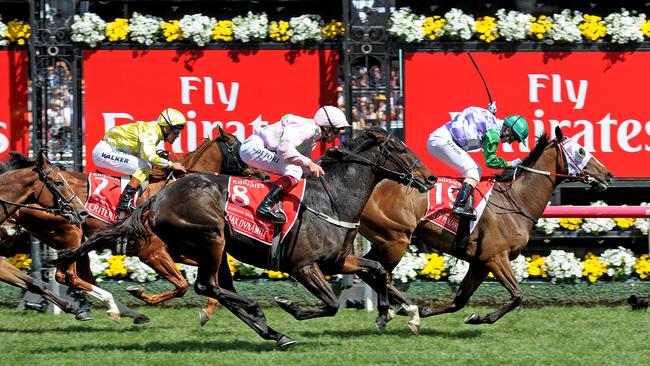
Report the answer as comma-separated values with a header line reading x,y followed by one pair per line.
x,y
81,329
346,333
172,347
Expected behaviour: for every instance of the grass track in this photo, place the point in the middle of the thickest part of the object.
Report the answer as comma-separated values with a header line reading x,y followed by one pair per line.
x,y
534,336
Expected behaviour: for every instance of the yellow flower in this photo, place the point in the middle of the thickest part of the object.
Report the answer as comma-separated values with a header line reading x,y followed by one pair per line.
x,y
435,267
535,266
593,28
433,27
334,29
117,30
571,224
593,268
279,31
18,31
20,261
486,28
642,267
539,26
232,264
276,274
223,31
645,29
171,31
625,223
116,266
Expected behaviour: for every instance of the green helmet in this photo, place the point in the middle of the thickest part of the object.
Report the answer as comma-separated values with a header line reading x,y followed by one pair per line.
x,y
519,125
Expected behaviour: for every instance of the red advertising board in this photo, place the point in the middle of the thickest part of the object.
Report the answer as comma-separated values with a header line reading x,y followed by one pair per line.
x,y
14,129
601,97
239,90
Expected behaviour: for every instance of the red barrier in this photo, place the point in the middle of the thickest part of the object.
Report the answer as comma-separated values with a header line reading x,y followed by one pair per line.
x,y
597,211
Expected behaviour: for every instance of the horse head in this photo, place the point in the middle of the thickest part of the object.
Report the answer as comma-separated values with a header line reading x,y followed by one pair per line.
x,y
391,158
62,195
581,164
229,145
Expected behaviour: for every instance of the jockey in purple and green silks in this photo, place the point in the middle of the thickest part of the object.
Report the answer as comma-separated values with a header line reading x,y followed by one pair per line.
x,y
475,129
131,149
283,148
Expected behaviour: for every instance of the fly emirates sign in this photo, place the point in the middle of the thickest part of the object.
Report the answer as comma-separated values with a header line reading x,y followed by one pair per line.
x,y
596,96
237,90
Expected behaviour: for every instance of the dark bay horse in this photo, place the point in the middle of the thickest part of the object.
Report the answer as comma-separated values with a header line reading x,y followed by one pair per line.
x,y
211,156
392,216
189,217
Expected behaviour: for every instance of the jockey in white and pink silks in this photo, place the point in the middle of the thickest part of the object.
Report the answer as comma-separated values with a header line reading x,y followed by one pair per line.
x,y
283,148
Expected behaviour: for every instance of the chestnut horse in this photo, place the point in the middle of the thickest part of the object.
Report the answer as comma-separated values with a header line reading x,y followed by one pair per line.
x,y
520,195
210,156
189,217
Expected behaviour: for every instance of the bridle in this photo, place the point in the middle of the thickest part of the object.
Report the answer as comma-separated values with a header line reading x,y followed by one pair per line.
x,y
63,206
230,160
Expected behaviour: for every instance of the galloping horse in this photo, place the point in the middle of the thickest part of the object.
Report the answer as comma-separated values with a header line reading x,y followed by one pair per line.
x,y
211,156
38,182
189,217
520,195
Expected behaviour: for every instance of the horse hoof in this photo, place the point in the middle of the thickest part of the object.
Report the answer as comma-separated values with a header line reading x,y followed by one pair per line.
x,y
473,318
414,327
116,317
135,290
381,326
83,316
141,319
285,342
391,314
203,317
282,300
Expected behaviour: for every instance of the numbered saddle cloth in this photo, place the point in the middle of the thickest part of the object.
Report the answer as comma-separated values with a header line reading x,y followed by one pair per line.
x,y
441,199
103,195
245,195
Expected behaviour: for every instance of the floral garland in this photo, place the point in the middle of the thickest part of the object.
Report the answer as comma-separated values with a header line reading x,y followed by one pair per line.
x,y
593,226
565,27
16,31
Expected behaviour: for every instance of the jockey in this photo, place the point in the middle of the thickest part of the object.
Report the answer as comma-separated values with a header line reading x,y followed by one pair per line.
x,y
281,148
472,129
131,149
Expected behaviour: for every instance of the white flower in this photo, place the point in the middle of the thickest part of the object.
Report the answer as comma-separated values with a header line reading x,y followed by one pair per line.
x,y
456,268
548,225
406,26
145,29
620,262
643,224
190,272
99,263
3,30
197,28
459,26
88,28
625,26
410,265
305,28
564,27
513,25
140,272
598,225
252,27
562,266
520,267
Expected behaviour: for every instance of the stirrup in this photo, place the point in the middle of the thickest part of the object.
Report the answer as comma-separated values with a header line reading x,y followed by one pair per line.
x,y
274,216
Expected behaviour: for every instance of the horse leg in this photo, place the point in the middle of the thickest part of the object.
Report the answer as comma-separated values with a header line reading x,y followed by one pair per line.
x,y
160,261
211,274
502,269
206,312
472,280
13,276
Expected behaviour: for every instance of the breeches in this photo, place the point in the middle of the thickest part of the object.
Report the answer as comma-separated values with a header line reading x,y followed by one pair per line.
x,y
107,157
254,153
443,147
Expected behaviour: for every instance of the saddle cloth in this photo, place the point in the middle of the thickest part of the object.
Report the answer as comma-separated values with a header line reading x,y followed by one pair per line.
x,y
440,201
104,193
245,195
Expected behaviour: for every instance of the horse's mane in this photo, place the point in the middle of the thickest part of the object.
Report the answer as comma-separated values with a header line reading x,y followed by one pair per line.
x,y
193,155
333,155
509,173
15,161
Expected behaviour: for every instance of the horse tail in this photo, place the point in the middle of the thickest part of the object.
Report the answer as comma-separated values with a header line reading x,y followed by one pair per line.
x,y
131,230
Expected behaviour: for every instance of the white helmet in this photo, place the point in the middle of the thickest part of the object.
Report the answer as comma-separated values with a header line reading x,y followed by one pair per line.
x,y
329,116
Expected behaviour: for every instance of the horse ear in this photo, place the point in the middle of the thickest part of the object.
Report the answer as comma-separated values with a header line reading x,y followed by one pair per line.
x,y
41,160
558,133
220,129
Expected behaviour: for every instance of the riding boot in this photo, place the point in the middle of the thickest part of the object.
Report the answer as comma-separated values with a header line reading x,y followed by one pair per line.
x,y
265,209
125,203
460,206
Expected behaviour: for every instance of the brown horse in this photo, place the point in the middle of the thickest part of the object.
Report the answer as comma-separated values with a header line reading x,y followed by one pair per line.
x,y
393,215
211,156
189,217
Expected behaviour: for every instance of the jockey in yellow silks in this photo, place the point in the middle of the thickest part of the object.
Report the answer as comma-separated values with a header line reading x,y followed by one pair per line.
x,y
131,149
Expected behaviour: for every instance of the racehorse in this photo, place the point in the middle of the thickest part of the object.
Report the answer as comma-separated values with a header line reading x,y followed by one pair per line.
x,y
220,154
189,217
37,182
520,195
